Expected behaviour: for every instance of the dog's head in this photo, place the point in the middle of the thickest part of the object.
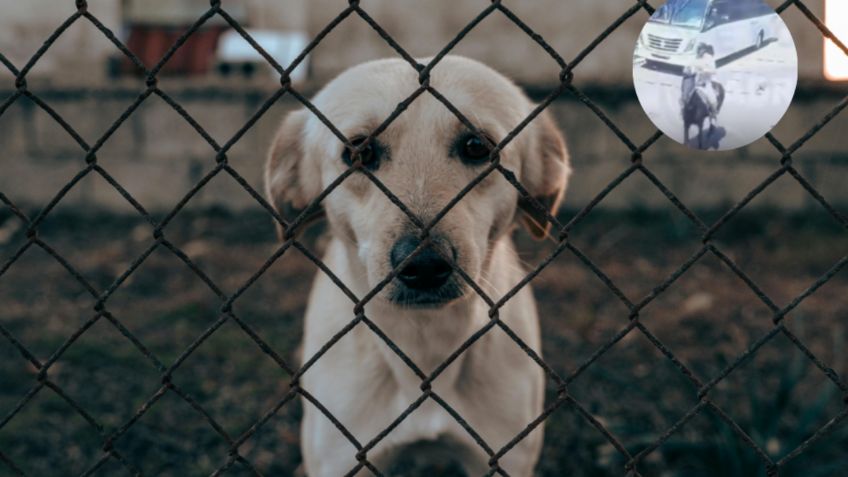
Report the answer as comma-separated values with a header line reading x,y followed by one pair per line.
x,y
426,157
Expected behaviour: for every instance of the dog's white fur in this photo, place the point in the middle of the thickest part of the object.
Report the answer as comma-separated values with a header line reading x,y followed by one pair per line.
x,y
493,385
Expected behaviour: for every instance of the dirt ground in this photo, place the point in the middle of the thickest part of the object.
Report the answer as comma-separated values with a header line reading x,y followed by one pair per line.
x,y
707,318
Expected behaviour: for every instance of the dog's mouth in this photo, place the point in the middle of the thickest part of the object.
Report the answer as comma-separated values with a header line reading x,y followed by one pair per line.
x,y
407,297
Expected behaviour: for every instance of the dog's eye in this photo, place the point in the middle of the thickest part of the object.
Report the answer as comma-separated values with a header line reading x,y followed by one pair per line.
x,y
473,149
369,154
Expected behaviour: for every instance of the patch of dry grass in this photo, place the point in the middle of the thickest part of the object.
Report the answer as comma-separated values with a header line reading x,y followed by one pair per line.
x,y
707,317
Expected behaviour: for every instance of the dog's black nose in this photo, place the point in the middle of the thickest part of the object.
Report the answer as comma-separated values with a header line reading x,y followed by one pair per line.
x,y
425,271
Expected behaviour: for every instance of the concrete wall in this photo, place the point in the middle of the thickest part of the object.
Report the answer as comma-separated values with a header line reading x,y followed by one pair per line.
x,y
421,27
569,26
78,55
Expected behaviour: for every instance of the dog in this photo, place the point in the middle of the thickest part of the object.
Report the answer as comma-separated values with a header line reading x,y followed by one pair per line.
x,y
425,157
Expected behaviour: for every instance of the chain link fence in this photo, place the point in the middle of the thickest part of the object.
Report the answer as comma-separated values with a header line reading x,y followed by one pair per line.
x,y
234,460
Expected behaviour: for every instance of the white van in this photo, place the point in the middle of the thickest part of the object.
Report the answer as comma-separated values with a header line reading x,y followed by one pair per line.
x,y
729,26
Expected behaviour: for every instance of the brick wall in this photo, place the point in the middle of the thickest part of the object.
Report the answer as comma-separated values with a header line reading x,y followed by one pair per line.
x,y
158,157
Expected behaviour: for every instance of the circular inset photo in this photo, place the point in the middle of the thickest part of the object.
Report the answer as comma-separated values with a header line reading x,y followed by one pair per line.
x,y
715,74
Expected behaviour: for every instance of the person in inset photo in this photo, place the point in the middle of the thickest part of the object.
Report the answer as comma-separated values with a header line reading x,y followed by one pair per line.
x,y
701,94
699,76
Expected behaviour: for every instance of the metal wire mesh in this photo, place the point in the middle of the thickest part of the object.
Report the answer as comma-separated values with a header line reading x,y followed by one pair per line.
x,y
638,150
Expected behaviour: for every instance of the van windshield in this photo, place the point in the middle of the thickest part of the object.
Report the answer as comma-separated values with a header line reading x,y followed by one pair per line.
x,y
685,13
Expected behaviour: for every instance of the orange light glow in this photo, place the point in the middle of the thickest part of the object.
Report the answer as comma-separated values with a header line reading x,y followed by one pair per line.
x,y
835,60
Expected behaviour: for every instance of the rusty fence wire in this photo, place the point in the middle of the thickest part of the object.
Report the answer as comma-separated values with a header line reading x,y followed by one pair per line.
x,y
638,165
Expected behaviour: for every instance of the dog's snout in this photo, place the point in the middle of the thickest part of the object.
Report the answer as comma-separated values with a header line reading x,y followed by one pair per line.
x,y
427,270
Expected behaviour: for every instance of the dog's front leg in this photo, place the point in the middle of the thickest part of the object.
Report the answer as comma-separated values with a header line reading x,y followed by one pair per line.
x,y
326,451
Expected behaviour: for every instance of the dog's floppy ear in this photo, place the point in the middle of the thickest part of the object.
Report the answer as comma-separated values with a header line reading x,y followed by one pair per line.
x,y
544,173
291,181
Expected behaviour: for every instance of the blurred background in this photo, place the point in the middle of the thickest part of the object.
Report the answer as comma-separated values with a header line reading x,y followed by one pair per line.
x,y
783,240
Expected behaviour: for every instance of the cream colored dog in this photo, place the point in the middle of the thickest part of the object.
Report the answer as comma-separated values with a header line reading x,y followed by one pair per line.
x,y
425,157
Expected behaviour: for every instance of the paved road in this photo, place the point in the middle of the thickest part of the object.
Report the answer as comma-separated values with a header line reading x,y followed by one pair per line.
x,y
759,86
